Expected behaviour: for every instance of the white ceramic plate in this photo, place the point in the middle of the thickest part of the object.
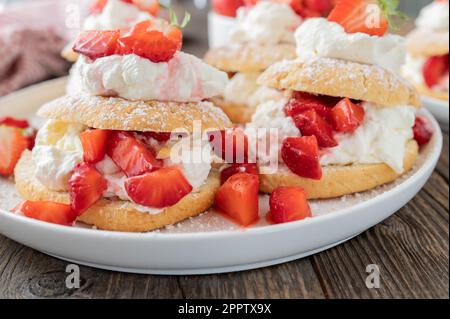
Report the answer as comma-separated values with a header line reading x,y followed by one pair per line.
x,y
439,108
208,243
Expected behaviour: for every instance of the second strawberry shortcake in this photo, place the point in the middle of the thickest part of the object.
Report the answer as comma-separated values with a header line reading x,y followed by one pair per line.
x,y
126,152
349,124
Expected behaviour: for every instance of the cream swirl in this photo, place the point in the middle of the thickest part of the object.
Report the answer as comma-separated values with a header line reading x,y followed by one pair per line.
x,y
434,16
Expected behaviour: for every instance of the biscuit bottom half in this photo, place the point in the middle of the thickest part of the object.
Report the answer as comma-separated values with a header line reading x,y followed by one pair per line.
x,y
116,214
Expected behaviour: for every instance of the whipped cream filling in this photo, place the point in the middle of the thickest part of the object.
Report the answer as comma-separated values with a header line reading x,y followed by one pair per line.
x,y
266,23
413,70
434,16
243,89
319,37
184,78
116,14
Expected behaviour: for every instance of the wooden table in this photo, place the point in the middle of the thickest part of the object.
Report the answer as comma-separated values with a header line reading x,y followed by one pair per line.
x,y
411,249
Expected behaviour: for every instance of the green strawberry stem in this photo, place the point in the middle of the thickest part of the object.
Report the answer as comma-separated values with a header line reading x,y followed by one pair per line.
x,y
390,10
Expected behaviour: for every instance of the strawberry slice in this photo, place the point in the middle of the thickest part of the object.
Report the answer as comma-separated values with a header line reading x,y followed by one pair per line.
x,y
238,168
227,7
231,145
301,155
150,6
94,144
358,16
422,131
49,212
96,44
31,139
162,188
13,122
238,198
131,155
161,137
86,187
302,101
288,204
310,123
434,69
12,144
155,40
347,116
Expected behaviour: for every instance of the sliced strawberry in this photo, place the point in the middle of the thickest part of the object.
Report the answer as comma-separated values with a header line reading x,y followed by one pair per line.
x,y
150,6
227,7
31,139
94,144
434,69
422,131
12,144
238,198
131,155
13,122
86,187
238,168
97,6
301,155
231,145
161,137
347,116
162,188
49,212
356,16
288,204
302,101
96,44
310,123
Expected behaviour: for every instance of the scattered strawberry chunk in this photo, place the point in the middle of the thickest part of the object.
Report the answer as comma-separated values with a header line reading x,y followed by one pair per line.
x,y
94,144
31,138
161,137
233,169
238,198
13,122
288,204
356,16
227,7
301,155
231,145
86,187
301,102
150,6
12,144
49,212
162,188
310,123
96,44
347,116
434,69
422,131
131,155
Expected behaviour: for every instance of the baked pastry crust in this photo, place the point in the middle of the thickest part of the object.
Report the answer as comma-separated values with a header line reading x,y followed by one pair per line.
x,y
112,113
115,214
249,57
428,43
424,90
342,79
238,113
341,180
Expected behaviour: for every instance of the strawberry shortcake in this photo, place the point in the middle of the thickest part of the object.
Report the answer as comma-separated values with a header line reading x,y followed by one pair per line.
x,y
349,123
263,36
427,61
127,152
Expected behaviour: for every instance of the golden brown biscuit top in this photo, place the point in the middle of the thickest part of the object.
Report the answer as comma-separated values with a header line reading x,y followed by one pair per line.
x,y
427,43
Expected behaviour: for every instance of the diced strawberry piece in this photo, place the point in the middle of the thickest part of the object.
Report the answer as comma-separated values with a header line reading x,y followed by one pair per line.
x,y
49,212
31,139
301,102
161,137
238,198
434,69
288,204
301,155
150,6
238,168
12,144
94,144
422,131
356,16
96,44
322,7
86,187
312,124
131,155
13,122
231,145
162,188
97,6
227,7
347,116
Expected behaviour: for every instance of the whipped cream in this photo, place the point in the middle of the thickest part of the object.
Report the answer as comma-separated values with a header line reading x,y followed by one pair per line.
x,y
117,14
57,151
184,78
320,37
266,23
434,16
243,89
